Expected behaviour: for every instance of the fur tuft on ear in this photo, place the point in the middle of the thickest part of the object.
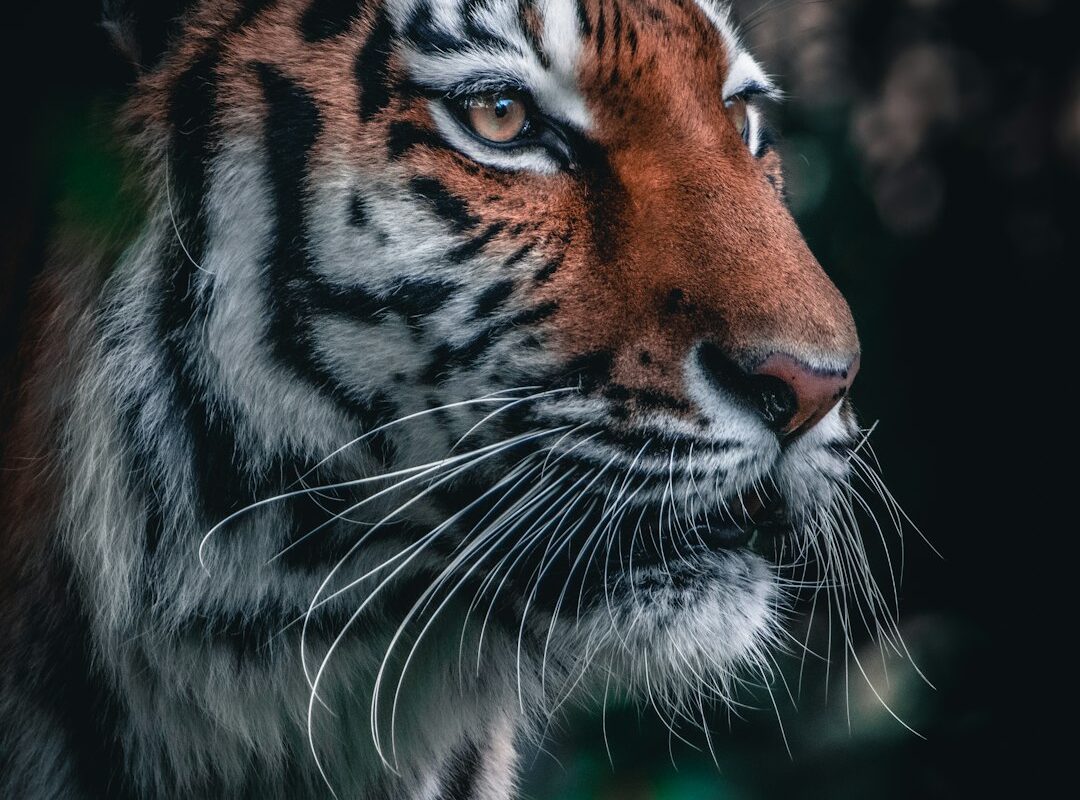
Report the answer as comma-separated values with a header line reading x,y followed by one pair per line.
x,y
142,29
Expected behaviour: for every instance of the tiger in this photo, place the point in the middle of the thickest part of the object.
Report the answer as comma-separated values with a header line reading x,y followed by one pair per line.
x,y
466,363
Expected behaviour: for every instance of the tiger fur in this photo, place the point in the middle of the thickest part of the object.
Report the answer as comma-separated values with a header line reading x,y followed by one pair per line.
x,y
333,484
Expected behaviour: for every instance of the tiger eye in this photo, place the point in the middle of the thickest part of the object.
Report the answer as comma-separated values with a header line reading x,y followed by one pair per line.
x,y
499,117
739,115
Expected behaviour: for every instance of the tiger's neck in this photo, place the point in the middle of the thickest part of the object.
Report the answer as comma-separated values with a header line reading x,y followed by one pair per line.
x,y
200,663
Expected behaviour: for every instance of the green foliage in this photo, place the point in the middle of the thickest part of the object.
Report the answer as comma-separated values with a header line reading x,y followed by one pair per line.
x,y
85,168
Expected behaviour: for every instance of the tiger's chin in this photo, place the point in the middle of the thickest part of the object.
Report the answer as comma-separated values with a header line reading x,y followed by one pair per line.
x,y
671,634
677,618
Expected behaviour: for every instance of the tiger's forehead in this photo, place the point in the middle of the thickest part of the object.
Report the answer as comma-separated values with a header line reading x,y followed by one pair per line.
x,y
553,48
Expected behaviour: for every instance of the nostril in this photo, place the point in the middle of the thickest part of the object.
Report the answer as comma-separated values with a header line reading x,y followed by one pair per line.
x,y
768,396
776,402
786,393
814,391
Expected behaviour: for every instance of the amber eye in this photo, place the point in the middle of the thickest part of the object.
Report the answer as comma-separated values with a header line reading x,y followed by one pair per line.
x,y
499,117
739,115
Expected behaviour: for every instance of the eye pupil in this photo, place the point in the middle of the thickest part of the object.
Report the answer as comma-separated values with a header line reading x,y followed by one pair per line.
x,y
499,117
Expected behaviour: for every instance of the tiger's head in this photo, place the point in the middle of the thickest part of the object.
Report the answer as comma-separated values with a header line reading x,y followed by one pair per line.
x,y
529,261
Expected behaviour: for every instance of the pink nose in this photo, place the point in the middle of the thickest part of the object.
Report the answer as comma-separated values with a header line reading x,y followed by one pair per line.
x,y
795,396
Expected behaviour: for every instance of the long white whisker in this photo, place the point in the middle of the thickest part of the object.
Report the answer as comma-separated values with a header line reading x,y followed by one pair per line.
x,y
314,683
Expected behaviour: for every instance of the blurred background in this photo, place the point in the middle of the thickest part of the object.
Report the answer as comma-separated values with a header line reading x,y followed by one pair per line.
x,y
932,149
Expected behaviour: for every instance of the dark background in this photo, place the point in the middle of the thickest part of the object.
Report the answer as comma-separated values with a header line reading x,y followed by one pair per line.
x,y
933,151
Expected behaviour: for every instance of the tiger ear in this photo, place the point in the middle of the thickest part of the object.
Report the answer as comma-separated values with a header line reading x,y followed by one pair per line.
x,y
143,29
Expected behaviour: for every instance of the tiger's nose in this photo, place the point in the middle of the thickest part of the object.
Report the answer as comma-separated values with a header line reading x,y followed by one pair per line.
x,y
793,396
788,394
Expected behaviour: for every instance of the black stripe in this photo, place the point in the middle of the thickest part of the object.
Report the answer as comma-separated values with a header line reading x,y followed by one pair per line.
x,y
292,127
191,119
518,254
545,272
461,774
257,636
591,370
477,36
583,18
325,19
252,637
632,37
411,299
614,79
531,36
373,67
492,298
531,316
403,136
473,246
660,443
616,28
183,306
426,36
601,28
448,357
327,546
154,27
359,217
62,676
222,480
656,399
249,10
448,206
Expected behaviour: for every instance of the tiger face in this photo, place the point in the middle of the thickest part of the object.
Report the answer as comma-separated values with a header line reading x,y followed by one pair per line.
x,y
531,262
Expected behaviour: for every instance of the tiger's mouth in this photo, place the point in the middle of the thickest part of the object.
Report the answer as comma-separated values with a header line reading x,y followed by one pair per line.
x,y
757,523
768,529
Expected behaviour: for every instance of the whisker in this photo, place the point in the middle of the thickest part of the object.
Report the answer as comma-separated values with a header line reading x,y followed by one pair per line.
x,y
315,682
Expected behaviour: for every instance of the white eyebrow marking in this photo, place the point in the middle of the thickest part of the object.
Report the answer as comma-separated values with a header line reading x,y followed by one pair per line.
x,y
562,35
745,74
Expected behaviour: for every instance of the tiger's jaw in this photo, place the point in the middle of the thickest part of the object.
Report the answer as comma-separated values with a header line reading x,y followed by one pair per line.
x,y
675,585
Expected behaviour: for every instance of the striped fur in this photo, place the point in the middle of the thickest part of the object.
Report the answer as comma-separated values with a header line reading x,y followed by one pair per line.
x,y
225,581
